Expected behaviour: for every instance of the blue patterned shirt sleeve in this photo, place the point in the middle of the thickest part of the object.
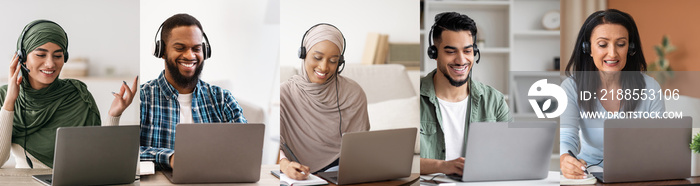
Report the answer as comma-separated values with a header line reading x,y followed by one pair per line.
x,y
160,111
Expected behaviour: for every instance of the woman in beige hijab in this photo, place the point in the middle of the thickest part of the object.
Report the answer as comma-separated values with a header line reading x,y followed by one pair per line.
x,y
319,105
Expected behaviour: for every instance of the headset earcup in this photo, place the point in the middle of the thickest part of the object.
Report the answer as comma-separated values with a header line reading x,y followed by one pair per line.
x,y
65,57
20,56
341,62
432,52
302,53
632,49
207,50
156,49
586,47
477,53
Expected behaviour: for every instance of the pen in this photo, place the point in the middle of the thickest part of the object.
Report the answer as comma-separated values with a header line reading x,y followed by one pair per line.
x,y
572,155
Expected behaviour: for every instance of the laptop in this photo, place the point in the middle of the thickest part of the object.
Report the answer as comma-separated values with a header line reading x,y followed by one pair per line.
x,y
94,156
374,156
646,150
217,153
501,151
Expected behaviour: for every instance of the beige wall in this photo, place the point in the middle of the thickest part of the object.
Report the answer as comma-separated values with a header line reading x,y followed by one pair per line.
x,y
680,19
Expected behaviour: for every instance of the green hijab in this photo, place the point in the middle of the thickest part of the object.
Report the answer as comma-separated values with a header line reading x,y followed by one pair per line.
x,y
38,113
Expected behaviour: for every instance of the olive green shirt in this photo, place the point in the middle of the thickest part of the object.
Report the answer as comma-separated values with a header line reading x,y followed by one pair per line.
x,y
487,105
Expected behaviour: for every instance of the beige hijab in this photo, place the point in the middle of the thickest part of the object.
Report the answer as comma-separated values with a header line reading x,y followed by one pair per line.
x,y
309,112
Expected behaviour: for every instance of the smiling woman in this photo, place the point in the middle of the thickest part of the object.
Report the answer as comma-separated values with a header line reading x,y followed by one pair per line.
x,y
36,102
319,105
608,45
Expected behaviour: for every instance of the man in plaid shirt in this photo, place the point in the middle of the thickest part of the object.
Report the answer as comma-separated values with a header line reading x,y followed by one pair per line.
x,y
178,95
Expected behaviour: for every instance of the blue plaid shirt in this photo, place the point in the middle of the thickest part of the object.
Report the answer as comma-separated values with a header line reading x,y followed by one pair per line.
x,y
160,112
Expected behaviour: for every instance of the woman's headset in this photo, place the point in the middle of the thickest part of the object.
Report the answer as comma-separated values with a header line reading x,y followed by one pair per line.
x,y
586,46
341,60
22,54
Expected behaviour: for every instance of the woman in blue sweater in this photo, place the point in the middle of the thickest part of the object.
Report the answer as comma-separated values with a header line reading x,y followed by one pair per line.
x,y
607,57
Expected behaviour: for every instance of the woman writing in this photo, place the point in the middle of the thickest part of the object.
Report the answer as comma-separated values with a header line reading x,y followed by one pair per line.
x,y
319,105
607,56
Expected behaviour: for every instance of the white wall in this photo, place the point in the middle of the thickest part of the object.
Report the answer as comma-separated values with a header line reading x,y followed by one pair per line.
x,y
244,50
103,31
355,18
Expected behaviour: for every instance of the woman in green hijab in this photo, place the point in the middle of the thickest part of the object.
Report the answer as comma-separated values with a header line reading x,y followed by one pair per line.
x,y
35,102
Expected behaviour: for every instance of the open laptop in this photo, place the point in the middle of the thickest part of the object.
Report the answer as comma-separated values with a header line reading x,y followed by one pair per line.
x,y
500,151
217,153
374,156
94,156
646,149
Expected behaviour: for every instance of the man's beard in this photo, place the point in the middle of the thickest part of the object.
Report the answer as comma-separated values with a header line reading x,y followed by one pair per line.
x,y
454,82
180,79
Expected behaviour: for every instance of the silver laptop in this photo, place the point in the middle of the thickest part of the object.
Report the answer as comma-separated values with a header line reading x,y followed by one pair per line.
x,y
499,151
94,156
217,153
646,149
374,156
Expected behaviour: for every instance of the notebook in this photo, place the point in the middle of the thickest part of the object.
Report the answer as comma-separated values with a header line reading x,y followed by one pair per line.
x,y
589,180
285,180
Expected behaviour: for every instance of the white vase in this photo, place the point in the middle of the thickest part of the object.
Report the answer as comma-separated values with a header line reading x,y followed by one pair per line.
x,y
694,158
694,168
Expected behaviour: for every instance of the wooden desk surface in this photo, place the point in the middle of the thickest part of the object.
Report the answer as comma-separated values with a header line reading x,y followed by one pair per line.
x,y
410,180
691,180
24,177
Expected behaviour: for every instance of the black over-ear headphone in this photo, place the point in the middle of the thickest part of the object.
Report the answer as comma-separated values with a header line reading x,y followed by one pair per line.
x,y
586,46
341,60
433,51
22,54
159,49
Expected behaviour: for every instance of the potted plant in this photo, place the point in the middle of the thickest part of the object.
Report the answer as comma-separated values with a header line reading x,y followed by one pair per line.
x,y
661,68
695,147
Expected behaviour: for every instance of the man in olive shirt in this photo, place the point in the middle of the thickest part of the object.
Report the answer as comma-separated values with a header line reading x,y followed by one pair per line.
x,y
447,93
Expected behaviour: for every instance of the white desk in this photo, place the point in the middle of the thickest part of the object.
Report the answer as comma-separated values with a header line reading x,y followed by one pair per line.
x,y
14,176
552,179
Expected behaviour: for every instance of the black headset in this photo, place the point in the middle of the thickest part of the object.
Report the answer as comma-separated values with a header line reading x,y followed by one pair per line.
x,y
341,60
22,54
433,51
586,46
159,49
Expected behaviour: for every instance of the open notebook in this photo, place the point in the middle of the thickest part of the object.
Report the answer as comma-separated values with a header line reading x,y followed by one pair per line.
x,y
312,180
589,180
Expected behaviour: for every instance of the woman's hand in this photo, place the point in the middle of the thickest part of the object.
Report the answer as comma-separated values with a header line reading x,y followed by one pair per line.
x,y
123,99
14,79
571,167
294,170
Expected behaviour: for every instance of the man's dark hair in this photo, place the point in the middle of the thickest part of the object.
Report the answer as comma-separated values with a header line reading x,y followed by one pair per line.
x,y
453,21
176,21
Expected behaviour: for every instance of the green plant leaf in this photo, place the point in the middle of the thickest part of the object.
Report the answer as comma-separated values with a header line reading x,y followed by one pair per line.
x,y
659,51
